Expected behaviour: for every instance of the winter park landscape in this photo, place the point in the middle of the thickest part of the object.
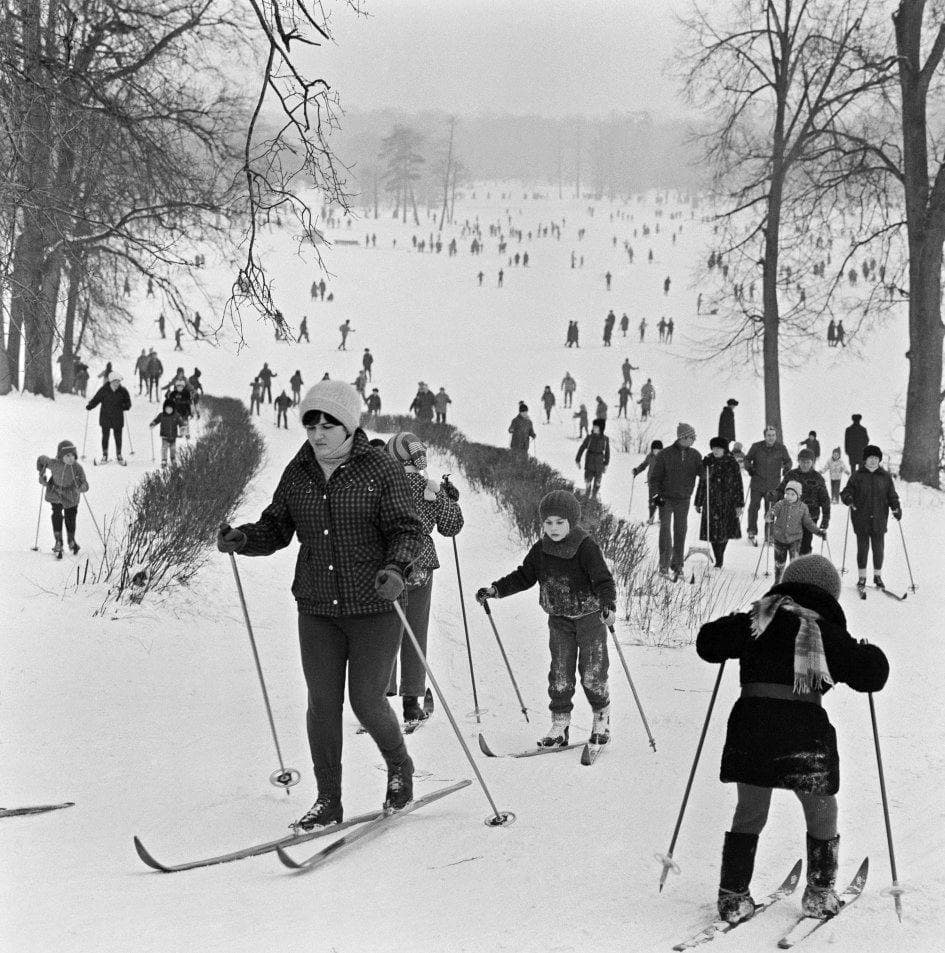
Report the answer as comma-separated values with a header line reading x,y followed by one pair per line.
x,y
134,695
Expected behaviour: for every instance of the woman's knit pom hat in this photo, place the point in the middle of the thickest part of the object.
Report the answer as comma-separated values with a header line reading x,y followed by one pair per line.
x,y
560,503
795,486
336,398
406,447
814,571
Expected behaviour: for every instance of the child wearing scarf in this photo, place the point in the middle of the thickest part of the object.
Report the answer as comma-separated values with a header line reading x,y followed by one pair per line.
x,y
578,592
792,646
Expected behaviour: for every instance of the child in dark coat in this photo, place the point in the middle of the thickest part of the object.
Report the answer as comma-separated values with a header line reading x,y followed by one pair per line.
x,y
169,420
65,484
792,647
578,592
647,464
597,460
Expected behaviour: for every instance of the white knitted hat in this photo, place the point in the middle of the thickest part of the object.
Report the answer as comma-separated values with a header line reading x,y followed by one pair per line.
x,y
336,398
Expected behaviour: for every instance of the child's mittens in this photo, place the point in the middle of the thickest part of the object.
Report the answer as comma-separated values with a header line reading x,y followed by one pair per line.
x,y
486,592
230,540
449,490
42,478
430,490
389,583
608,615
897,514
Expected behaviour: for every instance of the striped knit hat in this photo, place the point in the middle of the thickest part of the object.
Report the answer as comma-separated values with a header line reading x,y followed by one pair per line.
x,y
408,448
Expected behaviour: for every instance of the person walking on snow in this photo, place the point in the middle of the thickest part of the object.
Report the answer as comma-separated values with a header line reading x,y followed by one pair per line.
x,y
597,446
647,464
661,327
642,329
178,334
623,395
64,485
581,416
423,403
303,330
521,430
265,376
282,403
345,329
373,402
672,481
836,468
792,646
296,382
766,462
353,512
601,410
578,592
727,420
441,400
871,495
811,443
720,499
367,362
196,391
155,370
113,400
625,369
609,327
568,385
170,423
814,494
647,396
789,518
855,440
436,505
548,400
255,397
141,369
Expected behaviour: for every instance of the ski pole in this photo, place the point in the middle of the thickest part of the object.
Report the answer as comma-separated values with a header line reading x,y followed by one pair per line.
x,y
462,603
284,777
906,554
39,517
85,435
895,891
131,443
761,553
505,658
499,818
633,483
636,697
95,523
667,859
151,431
846,532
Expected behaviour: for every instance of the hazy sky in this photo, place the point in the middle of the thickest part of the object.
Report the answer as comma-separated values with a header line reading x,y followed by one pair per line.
x,y
549,57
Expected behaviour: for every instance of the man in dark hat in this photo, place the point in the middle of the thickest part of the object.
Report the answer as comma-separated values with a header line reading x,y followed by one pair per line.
x,y
727,420
855,440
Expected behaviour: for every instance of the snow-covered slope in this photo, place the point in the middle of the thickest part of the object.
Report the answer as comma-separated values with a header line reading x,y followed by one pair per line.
x,y
150,718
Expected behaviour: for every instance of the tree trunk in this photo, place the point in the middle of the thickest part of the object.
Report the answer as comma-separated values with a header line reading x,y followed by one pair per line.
x,y
67,360
772,317
41,332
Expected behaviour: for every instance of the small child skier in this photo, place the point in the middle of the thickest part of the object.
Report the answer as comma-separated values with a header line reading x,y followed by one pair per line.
x,y
647,464
169,420
789,518
578,592
581,415
65,483
836,468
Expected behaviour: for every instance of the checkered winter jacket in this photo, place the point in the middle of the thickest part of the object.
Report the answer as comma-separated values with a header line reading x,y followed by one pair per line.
x,y
350,527
441,514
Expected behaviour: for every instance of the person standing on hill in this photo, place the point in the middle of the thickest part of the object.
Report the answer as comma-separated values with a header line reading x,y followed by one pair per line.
x,y
114,400
345,329
160,322
670,327
597,447
367,362
141,368
265,376
661,327
624,324
642,329
607,279
282,403
296,382
647,464
303,330
811,443
609,327
568,385
727,420
601,410
647,396
155,370
195,387
813,495
720,498
548,400
351,507
581,416
623,395
255,397
521,430
792,646
672,481
766,463
625,369
373,401
64,485
441,400
836,468
423,403
855,440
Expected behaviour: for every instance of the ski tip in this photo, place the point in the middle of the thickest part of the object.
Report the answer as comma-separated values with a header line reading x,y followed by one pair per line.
x,y
794,877
586,759
484,748
287,861
147,858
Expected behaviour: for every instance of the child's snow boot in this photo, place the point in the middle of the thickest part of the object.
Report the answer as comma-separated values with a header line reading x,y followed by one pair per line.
x,y
820,899
557,736
57,546
878,581
600,731
399,784
73,545
738,863
326,810
861,585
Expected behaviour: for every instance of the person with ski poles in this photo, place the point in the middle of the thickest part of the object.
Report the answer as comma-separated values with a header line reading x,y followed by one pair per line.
x,y
871,495
352,509
647,464
720,499
792,646
578,592
64,485
438,509
113,400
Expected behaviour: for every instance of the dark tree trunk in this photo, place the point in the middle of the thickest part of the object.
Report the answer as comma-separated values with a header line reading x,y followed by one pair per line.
x,y
67,362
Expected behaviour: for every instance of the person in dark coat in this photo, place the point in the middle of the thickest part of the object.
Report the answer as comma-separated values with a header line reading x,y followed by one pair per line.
x,y
727,420
672,481
353,512
814,495
548,401
647,464
521,430
170,423
423,403
114,400
265,377
855,439
720,498
766,463
597,446
871,495
282,404
792,647
811,443
296,382
155,370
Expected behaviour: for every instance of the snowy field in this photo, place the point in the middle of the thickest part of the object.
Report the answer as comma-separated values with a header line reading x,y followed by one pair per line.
x,y
150,718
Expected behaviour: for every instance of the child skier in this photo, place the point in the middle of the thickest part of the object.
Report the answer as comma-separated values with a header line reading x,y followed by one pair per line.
x,y
647,464
169,420
836,468
871,495
789,518
597,460
65,482
581,416
578,592
792,647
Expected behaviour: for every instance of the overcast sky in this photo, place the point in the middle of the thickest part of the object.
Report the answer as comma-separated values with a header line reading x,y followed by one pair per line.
x,y
548,57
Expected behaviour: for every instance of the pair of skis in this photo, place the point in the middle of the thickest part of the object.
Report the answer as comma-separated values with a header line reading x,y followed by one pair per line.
x,y
883,590
101,462
588,754
802,928
409,727
370,824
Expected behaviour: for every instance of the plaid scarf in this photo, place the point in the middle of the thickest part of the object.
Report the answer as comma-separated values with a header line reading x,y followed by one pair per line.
x,y
810,664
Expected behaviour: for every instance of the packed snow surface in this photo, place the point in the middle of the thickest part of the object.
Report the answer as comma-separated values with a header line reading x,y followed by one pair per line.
x,y
151,718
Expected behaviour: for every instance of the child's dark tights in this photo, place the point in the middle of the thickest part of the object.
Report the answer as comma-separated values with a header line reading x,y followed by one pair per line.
x,y
57,514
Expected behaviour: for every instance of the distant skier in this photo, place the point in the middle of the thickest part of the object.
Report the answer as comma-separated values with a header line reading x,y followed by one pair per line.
x,y
855,440
841,334
625,369
666,285
607,278
836,468
642,329
367,362
255,397
647,464
521,430
441,400
155,370
141,368
670,326
548,400
647,396
282,403
64,485
661,327
178,334
296,382
266,375
345,329
303,330
501,276
373,402
609,322
623,395
581,416
601,409
568,386
113,400
832,333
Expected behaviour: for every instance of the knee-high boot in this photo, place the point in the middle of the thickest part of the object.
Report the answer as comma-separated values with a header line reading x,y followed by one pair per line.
x,y
820,899
738,864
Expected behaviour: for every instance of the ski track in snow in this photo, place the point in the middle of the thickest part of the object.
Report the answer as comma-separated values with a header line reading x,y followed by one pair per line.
x,y
150,718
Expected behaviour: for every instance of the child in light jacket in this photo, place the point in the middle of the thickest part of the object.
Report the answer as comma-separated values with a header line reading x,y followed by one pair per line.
x,y
65,483
789,518
836,468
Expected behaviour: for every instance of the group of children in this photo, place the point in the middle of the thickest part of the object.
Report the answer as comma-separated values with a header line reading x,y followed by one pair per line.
x,y
181,400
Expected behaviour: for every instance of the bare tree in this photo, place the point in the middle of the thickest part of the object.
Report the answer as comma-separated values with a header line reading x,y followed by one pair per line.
x,y
445,168
778,78
401,153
